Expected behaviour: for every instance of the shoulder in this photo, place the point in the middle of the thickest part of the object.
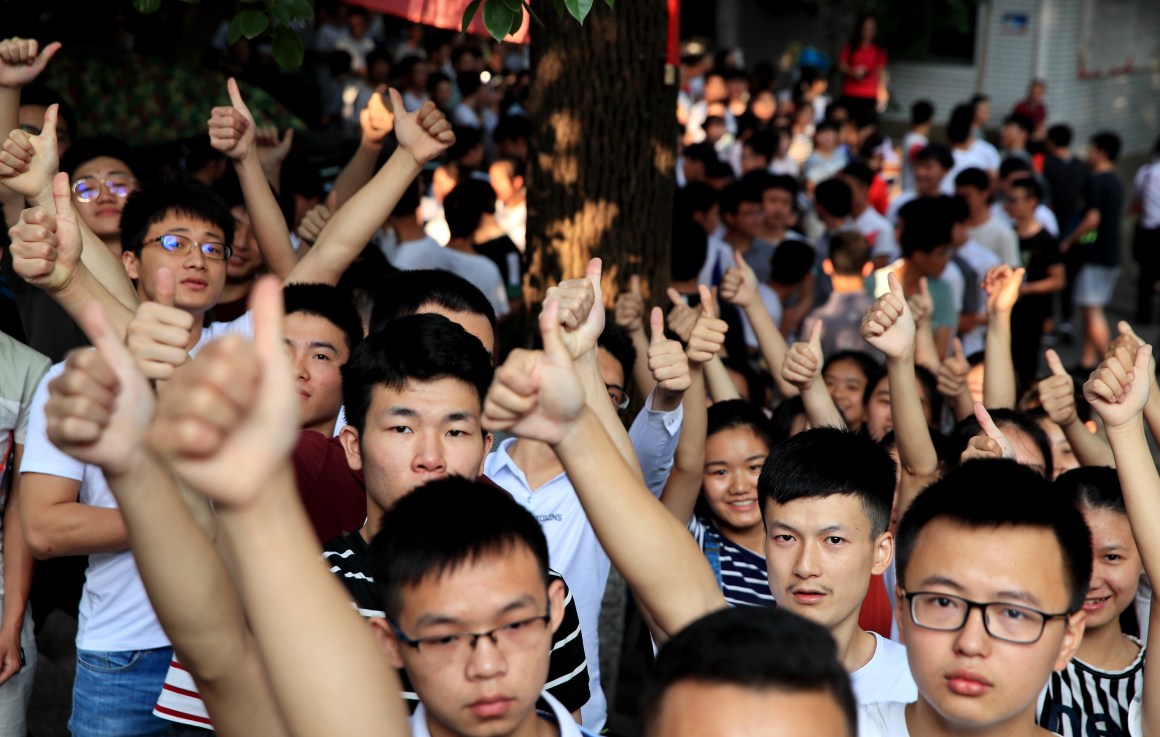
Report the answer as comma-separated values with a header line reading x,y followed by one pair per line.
x,y
882,719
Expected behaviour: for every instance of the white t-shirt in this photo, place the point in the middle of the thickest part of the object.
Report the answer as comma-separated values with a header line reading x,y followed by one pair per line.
x,y
981,155
912,143
1043,215
483,273
879,232
424,253
886,677
889,720
896,205
981,260
115,614
998,237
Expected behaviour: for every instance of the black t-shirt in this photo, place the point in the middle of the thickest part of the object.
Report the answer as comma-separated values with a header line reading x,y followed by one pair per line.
x,y
503,252
1105,193
1065,181
1038,253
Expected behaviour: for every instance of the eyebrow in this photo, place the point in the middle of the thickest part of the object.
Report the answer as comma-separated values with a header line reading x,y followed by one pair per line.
x,y
825,530
1016,594
461,416
432,620
754,457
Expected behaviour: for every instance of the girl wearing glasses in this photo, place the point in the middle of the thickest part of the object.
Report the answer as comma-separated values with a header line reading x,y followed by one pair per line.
x,y
102,179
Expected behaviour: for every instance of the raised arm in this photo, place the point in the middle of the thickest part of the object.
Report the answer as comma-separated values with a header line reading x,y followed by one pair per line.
x,y
1057,396
739,287
1118,394
377,121
99,412
232,131
952,381
422,135
926,351
629,314
1002,286
803,368
539,395
21,61
235,448
889,327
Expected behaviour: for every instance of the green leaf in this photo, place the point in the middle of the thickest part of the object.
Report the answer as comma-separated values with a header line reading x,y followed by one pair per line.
x,y
610,2
235,30
579,9
288,51
280,12
532,13
253,22
146,7
299,9
516,6
517,21
560,8
497,19
469,15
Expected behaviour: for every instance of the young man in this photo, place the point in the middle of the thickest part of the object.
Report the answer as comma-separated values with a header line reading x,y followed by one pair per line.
x,y
717,677
511,198
993,567
1014,135
878,230
1011,169
464,207
742,213
1098,239
827,158
833,203
974,186
778,193
931,165
969,151
921,117
847,266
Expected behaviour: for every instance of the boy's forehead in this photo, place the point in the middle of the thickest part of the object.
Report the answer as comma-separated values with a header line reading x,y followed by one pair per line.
x,y
440,396
477,587
831,510
186,224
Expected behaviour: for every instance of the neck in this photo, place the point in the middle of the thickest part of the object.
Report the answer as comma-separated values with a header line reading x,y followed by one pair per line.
x,y
113,243
1103,167
374,520
407,229
855,646
235,290
858,208
978,216
752,539
1107,647
923,719
848,283
463,245
1027,227
737,239
907,275
772,233
537,460
324,426
516,199
688,286
831,222
530,726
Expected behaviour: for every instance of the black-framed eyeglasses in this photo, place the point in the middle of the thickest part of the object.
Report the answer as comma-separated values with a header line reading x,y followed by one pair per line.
x,y
509,638
1004,621
619,396
182,245
87,189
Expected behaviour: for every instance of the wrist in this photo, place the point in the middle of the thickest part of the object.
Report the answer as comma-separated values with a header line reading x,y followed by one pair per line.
x,y
370,143
408,159
1130,429
666,400
575,430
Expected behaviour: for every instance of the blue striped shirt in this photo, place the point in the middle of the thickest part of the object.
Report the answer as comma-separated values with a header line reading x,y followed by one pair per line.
x,y
744,579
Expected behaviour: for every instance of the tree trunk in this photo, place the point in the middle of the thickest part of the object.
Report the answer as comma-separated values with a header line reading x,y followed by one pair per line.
x,y
600,169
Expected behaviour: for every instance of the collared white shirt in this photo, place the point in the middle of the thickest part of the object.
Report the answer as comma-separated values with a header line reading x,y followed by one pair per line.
x,y
559,715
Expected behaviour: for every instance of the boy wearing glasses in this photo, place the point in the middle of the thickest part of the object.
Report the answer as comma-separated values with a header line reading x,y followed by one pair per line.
x,y
991,585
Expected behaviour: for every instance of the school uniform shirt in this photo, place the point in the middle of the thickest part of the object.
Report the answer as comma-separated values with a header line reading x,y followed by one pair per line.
x,y
558,716
879,233
980,259
886,677
1081,699
998,237
741,573
883,720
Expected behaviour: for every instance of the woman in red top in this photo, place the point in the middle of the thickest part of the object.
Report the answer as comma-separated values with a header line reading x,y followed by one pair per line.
x,y
863,65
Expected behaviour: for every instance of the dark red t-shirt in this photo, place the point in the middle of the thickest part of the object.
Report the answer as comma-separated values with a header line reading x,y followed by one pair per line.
x,y
334,495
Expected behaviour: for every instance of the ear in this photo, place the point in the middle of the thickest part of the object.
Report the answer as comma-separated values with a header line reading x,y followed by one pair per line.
x,y
1072,636
132,267
388,642
828,267
883,553
348,437
901,616
867,269
488,440
556,602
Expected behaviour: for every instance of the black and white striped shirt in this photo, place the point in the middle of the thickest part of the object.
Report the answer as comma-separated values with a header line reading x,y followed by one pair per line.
x,y
743,577
1082,700
349,558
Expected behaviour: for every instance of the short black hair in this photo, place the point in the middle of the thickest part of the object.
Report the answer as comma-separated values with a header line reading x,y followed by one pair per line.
x,y
960,123
1093,487
1022,122
418,539
734,193
1109,143
328,302
761,649
466,139
957,209
84,150
921,112
695,197
763,143
733,413
406,292
829,124
468,83
422,347
512,128
937,153
849,252
791,261
152,204
1060,135
995,493
690,245
702,152
973,177
860,172
804,467
784,182
518,167
409,200
925,227
969,427
464,206
1030,187
836,196
718,169
863,360
618,342
1013,164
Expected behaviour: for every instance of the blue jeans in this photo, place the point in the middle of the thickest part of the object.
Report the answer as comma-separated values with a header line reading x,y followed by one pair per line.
x,y
114,693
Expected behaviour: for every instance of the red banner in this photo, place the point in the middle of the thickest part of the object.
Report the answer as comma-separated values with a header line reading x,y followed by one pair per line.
x,y
439,13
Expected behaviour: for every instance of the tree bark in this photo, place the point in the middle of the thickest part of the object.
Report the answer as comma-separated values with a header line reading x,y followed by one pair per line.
x,y
602,154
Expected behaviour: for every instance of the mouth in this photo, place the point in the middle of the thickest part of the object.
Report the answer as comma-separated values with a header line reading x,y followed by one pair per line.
x,y
1094,605
491,707
303,394
967,683
808,596
109,212
743,504
195,284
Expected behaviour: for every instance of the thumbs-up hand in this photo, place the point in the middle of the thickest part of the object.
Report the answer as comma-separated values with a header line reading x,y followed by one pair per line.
x,y
425,133
952,372
22,60
376,119
1057,392
888,325
272,148
100,407
682,317
667,361
739,284
1118,392
580,309
803,362
1125,345
231,128
992,443
708,334
629,312
158,335
46,248
28,163
537,394
230,419
315,220
1002,283
921,305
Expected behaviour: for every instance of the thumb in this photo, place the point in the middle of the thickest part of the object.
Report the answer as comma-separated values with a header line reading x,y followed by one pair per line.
x,y
166,287
987,424
958,350
236,97
48,132
1126,329
656,326
395,104
592,273
708,301
550,332
95,323
1055,364
332,201
46,55
816,335
1143,358
895,287
288,138
923,287
674,296
739,261
267,313
62,198
634,284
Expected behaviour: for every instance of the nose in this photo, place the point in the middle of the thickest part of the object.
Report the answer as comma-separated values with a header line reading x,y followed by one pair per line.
x,y
195,259
806,565
486,659
972,639
429,457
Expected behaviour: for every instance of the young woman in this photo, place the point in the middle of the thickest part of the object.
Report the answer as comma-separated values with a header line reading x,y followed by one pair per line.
x,y
863,66
846,374
1094,692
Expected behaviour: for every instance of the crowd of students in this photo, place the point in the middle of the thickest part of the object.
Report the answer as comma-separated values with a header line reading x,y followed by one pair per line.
x,y
311,463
